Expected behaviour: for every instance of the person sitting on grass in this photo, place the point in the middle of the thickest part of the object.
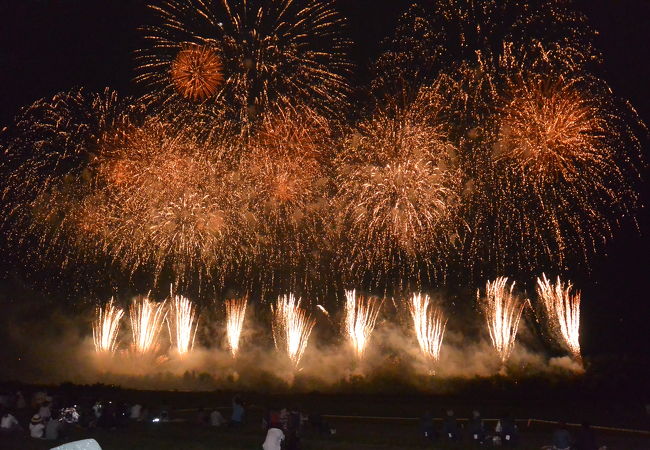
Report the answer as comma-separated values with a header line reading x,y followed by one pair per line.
x,y
36,427
54,428
274,438
216,418
8,423
450,426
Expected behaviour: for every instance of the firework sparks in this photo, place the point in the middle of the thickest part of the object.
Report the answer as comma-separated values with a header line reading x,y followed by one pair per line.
x,y
235,314
106,327
271,52
563,312
147,319
502,311
429,324
292,326
397,189
360,318
196,72
182,322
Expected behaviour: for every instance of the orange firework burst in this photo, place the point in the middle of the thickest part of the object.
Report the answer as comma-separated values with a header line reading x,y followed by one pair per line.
x,y
292,326
502,311
197,72
360,318
429,324
397,189
106,327
562,309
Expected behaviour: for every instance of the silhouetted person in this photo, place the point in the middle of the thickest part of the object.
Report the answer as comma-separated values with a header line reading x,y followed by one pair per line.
x,y
506,429
426,426
238,412
561,437
476,428
450,426
586,438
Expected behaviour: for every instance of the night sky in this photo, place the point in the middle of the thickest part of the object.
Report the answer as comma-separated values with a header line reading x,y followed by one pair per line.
x,y
51,45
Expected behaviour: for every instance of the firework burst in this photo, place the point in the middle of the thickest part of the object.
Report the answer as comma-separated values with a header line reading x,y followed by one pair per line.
x,y
502,311
360,319
147,319
196,72
429,324
397,190
563,312
292,326
106,327
182,322
271,52
235,315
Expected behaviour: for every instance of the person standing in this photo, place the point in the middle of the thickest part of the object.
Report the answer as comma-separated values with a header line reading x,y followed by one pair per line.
x,y
36,427
274,438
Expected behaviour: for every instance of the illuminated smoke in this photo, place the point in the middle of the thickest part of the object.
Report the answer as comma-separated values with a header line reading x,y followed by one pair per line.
x,y
147,318
502,311
429,324
563,312
292,326
360,318
106,327
182,322
235,314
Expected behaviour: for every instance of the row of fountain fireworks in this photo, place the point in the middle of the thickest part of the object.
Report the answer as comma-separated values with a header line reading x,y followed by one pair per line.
x,y
292,324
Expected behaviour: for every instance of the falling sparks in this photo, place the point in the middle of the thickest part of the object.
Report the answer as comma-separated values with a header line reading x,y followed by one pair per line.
x,y
292,326
502,311
563,312
235,314
429,324
106,327
196,72
360,318
182,321
147,318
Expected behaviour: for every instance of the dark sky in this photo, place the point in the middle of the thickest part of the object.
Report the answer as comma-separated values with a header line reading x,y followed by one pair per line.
x,y
51,45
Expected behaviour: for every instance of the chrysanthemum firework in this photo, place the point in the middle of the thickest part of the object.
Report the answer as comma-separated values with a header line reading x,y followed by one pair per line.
x,y
270,52
397,190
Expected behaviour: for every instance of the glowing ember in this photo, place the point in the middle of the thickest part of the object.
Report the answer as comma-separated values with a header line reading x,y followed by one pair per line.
x,y
360,319
235,314
147,318
502,312
563,312
182,323
106,326
429,324
292,326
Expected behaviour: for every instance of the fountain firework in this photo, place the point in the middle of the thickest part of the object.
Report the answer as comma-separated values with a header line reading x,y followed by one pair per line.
x,y
360,319
292,326
235,314
502,311
106,326
147,319
429,324
182,322
563,312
